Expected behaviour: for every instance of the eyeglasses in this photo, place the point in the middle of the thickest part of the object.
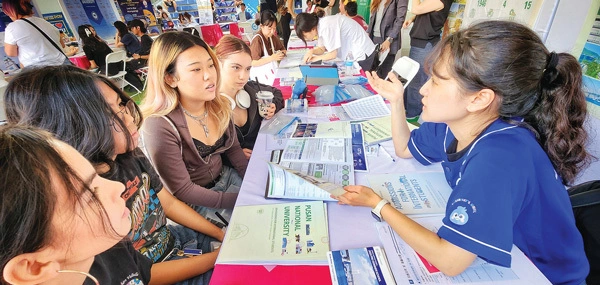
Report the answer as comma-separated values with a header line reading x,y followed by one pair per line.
x,y
128,108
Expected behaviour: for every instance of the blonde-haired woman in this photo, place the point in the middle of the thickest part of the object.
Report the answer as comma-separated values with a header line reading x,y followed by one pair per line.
x,y
188,127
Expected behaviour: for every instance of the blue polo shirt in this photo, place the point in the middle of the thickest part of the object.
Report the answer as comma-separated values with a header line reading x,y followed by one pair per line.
x,y
505,191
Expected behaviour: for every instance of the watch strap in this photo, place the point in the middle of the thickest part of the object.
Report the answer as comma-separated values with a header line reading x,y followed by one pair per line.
x,y
377,210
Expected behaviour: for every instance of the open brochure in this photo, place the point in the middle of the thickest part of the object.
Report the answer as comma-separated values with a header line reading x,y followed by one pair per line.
x,y
366,108
294,184
367,265
408,269
288,233
379,130
413,192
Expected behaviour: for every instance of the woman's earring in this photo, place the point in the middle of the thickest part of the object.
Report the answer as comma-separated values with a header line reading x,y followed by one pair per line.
x,y
87,275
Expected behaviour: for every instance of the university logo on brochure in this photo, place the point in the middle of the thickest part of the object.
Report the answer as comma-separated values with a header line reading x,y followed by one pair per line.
x,y
460,214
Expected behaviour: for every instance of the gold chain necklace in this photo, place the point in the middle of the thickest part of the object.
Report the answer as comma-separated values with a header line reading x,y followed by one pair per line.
x,y
200,119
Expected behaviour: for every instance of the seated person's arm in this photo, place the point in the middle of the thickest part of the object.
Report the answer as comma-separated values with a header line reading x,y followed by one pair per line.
x,y
163,147
93,64
173,271
11,50
325,56
182,214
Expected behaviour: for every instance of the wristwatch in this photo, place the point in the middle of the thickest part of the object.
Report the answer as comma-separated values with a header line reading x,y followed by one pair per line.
x,y
389,39
376,212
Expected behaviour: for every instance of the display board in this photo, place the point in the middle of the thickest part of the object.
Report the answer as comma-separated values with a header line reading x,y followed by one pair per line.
x,y
59,21
590,65
98,13
142,10
465,12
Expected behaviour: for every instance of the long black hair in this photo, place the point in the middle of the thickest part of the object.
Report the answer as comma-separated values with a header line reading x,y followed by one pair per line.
x,y
121,28
66,101
544,88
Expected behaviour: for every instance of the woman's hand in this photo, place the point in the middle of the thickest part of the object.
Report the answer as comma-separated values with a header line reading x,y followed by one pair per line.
x,y
277,56
392,91
407,22
270,111
247,153
358,195
307,56
385,45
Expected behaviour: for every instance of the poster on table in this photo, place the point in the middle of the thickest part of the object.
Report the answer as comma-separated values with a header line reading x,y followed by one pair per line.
x,y
98,13
59,21
139,9
590,65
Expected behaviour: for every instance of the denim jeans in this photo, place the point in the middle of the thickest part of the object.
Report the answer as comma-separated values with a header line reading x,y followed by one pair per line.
x,y
229,182
412,97
191,239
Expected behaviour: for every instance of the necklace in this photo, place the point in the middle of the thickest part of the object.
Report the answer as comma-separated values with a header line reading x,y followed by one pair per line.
x,y
200,119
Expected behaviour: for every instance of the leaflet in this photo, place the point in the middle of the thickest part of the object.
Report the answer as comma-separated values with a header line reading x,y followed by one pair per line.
x,y
413,192
407,269
288,233
296,184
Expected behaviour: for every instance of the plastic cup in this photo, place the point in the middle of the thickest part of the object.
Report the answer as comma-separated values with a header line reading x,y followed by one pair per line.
x,y
264,98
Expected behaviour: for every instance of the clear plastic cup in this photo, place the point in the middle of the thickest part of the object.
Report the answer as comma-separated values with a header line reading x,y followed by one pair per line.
x,y
264,98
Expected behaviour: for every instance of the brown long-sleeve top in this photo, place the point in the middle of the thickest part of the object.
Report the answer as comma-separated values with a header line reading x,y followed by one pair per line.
x,y
183,171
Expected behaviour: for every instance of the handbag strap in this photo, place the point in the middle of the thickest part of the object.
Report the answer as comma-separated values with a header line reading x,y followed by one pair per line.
x,y
47,37
586,194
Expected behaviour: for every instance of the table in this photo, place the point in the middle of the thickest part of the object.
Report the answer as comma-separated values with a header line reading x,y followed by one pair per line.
x,y
349,227
80,60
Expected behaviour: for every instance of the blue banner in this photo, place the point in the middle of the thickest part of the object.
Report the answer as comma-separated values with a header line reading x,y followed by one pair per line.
x,y
142,10
58,20
98,13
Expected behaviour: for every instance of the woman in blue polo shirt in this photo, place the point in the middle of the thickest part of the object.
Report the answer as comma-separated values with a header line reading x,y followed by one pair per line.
x,y
505,119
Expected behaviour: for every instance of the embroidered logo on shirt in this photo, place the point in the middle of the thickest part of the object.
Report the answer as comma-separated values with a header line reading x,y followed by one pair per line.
x,y
459,216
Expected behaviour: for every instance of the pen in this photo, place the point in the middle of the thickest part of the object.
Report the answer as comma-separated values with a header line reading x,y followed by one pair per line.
x,y
222,219
381,148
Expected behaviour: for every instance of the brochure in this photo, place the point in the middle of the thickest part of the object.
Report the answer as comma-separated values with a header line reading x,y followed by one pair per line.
x,y
274,234
413,192
295,184
366,108
367,265
408,269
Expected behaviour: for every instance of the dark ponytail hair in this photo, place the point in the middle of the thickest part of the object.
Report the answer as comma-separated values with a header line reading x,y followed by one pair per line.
x,y
267,18
542,87
305,22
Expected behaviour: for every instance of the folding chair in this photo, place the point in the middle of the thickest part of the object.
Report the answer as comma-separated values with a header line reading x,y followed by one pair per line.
x,y
406,67
116,57
143,73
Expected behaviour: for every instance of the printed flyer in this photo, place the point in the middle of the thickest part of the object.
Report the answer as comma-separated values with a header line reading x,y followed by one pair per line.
x,y
414,192
288,233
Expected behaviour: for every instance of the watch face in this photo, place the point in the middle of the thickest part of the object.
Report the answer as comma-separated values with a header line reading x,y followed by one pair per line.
x,y
376,217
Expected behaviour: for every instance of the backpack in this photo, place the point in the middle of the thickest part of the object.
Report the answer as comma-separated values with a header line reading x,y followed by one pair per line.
x,y
585,200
